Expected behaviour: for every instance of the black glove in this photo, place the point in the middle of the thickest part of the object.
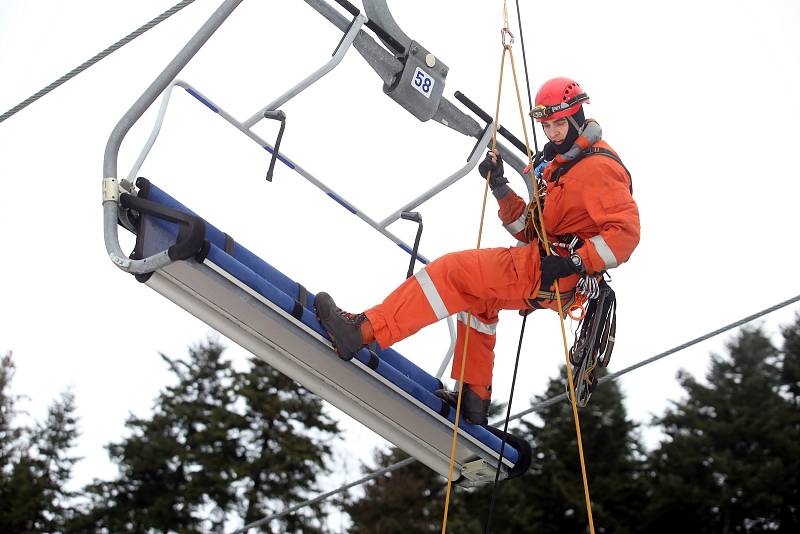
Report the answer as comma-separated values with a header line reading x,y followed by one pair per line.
x,y
487,165
555,267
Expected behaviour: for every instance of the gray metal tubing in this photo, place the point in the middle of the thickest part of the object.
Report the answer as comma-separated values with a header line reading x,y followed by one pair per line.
x,y
161,82
444,184
111,203
111,233
261,142
120,259
449,354
319,73
160,120
457,120
388,67
381,60
162,111
378,11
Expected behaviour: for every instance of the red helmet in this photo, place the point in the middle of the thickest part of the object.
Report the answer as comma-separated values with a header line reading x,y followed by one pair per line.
x,y
558,98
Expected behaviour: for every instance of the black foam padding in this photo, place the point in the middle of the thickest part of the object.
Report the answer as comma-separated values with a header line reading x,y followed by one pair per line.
x,y
522,447
229,245
374,361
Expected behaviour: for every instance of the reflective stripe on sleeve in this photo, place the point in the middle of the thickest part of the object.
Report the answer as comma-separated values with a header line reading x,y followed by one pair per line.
x,y
431,294
518,225
475,324
604,251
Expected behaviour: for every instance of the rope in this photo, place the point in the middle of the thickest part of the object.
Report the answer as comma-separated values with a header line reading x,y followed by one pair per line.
x,y
527,80
505,427
85,65
538,406
487,530
613,376
469,315
546,242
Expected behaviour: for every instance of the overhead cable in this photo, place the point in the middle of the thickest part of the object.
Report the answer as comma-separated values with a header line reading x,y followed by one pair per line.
x,y
320,498
85,65
534,408
613,376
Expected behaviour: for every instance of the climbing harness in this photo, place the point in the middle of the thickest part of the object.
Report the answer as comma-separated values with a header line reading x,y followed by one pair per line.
x,y
543,234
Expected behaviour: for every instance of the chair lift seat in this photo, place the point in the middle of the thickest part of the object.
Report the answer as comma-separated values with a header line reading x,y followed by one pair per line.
x,y
248,300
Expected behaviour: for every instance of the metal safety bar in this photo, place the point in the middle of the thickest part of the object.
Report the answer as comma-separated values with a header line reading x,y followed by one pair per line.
x,y
111,194
381,60
444,184
338,54
213,106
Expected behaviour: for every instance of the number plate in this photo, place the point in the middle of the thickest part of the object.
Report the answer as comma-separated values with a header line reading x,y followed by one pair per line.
x,y
422,82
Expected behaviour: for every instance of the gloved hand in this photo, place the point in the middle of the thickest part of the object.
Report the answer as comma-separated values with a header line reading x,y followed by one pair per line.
x,y
493,162
555,267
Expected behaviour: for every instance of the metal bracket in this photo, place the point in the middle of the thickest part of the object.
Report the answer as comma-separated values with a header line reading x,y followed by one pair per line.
x,y
418,88
110,189
478,471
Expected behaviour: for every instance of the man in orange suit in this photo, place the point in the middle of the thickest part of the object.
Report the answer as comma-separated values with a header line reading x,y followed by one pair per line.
x,y
591,221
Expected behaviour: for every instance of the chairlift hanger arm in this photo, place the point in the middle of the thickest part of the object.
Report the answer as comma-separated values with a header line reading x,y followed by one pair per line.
x,y
382,23
381,60
389,67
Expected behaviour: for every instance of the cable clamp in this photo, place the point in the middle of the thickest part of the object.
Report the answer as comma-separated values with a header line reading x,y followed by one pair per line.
x,y
110,189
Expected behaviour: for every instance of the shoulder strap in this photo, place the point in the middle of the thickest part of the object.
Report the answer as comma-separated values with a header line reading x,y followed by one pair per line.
x,y
592,150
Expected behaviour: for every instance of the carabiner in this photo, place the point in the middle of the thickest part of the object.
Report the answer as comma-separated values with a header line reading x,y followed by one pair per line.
x,y
505,32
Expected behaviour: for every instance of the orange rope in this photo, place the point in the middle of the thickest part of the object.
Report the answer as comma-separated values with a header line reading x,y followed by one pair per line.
x,y
469,316
560,309
542,231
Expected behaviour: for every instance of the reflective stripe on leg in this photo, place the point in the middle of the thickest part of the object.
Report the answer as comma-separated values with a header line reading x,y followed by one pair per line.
x,y
475,324
434,299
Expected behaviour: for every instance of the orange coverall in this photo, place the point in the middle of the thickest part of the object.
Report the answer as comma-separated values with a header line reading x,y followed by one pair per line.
x,y
592,201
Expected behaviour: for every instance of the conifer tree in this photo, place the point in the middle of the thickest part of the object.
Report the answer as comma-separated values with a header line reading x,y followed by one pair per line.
x,y
790,361
722,467
549,498
789,447
410,499
222,446
35,463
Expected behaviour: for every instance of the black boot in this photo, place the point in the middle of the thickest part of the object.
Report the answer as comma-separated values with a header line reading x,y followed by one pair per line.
x,y
343,328
474,409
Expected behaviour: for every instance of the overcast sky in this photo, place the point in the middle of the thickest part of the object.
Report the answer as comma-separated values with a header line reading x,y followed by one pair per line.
x,y
698,98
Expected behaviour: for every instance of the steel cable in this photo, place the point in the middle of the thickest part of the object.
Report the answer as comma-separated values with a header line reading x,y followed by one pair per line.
x,y
85,65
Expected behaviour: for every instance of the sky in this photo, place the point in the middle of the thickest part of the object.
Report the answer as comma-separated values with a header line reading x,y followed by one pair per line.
x,y
698,98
